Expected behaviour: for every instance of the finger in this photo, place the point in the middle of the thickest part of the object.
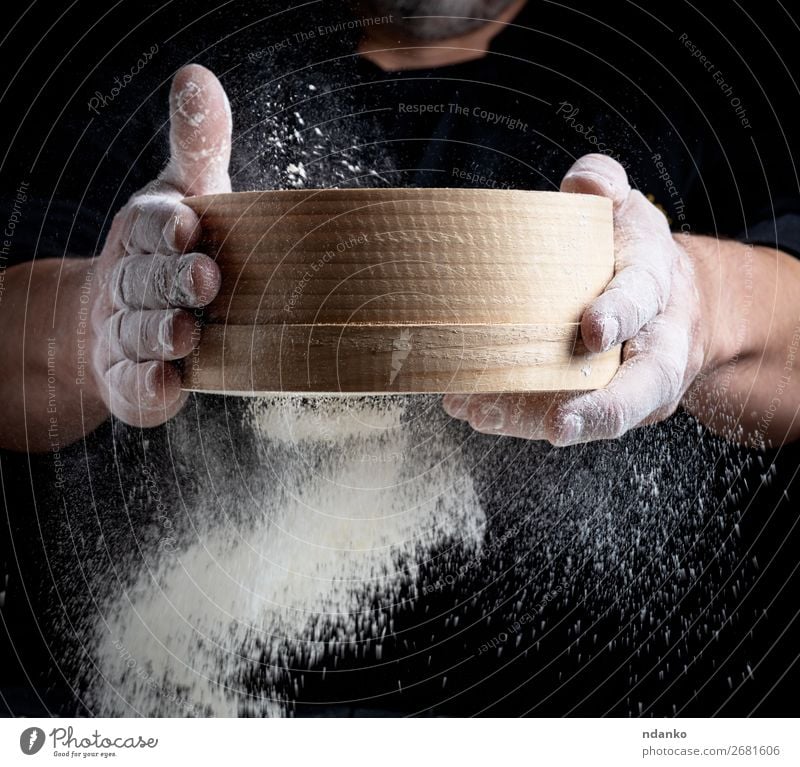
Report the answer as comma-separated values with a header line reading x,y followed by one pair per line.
x,y
144,394
200,133
598,174
513,415
456,405
645,260
647,387
114,240
159,223
650,380
644,255
153,335
160,282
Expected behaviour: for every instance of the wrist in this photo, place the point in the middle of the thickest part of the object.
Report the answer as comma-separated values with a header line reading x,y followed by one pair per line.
x,y
720,293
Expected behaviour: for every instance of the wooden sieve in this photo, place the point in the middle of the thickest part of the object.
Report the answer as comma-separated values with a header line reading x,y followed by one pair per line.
x,y
402,290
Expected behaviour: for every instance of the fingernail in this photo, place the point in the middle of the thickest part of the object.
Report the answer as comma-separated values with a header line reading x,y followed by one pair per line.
x,y
171,228
166,332
610,333
183,293
491,418
205,281
455,405
571,429
151,380
191,104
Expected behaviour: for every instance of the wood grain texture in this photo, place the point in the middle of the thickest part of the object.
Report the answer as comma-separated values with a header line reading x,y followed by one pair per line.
x,y
394,358
321,286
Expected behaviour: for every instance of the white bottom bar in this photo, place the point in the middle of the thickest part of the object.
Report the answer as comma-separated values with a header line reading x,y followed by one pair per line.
x,y
406,742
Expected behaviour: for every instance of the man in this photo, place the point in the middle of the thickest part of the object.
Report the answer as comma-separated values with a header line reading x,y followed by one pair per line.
x,y
675,302
680,304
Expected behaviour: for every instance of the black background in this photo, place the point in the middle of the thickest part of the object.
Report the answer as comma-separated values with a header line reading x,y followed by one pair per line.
x,y
54,58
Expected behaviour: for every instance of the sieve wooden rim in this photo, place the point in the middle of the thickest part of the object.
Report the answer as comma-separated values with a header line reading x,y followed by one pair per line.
x,y
323,288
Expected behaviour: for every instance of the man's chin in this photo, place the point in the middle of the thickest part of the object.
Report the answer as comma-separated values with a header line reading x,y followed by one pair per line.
x,y
431,20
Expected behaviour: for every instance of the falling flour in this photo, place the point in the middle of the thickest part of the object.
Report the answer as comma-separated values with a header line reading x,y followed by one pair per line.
x,y
350,504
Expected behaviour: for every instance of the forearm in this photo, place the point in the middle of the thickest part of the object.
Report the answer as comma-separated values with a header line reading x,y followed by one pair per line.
x,y
49,393
749,388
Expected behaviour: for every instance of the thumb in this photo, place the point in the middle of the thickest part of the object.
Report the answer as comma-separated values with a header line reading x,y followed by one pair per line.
x,y
600,175
200,133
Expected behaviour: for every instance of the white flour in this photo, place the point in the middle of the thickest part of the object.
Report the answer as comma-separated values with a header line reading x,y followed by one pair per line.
x,y
353,504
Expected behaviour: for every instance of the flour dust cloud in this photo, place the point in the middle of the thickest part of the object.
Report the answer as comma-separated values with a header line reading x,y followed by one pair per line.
x,y
351,504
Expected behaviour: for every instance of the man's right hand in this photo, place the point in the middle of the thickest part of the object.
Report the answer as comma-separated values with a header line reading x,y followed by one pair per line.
x,y
149,273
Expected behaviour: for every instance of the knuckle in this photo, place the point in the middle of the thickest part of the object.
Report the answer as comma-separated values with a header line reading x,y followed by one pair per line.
x,y
153,221
146,331
650,273
618,304
185,291
114,327
615,415
128,334
121,216
669,376
116,378
646,284
474,408
614,300
116,284
135,228
160,279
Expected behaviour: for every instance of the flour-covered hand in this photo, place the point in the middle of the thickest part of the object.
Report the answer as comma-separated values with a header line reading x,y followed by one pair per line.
x,y
652,307
149,274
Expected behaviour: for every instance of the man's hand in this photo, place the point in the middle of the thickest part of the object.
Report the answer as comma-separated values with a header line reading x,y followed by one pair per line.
x,y
652,306
148,273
